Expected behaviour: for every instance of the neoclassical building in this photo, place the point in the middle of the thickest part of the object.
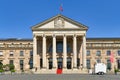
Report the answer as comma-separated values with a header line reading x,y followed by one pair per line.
x,y
60,43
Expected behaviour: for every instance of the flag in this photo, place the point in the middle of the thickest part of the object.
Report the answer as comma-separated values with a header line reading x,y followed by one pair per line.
x,y
111,58
61,8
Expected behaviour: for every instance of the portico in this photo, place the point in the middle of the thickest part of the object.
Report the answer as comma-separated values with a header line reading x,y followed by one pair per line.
x,y
59,42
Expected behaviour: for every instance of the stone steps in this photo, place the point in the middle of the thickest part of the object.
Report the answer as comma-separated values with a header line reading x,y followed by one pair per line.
x,y
64,72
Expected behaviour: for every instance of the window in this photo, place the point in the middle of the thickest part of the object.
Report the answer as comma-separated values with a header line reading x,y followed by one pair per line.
x,y
118,52
118,63
31,60
98,53
21,64
98,61
88,64
50,49
108,64
21,53
31,53
88,53
59,47
11,62
69,50
108,53
1,53
31,63
11,53
21,61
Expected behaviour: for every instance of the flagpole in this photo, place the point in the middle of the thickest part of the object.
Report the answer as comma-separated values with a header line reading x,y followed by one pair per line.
x,y
61,8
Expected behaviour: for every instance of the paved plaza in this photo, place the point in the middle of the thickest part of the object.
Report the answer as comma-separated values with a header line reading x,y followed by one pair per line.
x,y
58,77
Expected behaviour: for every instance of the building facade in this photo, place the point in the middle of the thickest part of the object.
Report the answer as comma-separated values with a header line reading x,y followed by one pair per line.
x,y
18,52
60,43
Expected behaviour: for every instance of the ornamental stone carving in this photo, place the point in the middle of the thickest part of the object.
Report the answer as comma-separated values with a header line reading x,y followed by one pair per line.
x,y
59,22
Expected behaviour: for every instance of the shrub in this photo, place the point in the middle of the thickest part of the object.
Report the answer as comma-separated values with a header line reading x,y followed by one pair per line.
x,y
1,70
12,70
116,70
11,67
1,67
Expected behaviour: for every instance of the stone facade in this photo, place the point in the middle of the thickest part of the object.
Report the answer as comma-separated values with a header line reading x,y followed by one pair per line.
x,y
14,50
100,50
60,43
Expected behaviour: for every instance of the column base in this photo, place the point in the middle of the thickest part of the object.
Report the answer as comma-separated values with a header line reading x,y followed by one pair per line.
x,y
84,69
54,67
64,68
75,68
44,68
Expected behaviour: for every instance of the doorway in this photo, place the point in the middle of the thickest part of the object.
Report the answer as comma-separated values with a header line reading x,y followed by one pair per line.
x,y
69,63
50,63
60,62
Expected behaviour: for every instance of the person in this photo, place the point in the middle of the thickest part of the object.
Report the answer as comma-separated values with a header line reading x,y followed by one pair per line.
x,y
81,66
35,69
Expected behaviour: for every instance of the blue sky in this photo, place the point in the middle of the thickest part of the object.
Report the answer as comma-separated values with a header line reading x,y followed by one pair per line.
x,y
101,16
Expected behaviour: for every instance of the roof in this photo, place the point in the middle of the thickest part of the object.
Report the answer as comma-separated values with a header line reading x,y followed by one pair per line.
x,y
16,39
64,17
30,39
107,38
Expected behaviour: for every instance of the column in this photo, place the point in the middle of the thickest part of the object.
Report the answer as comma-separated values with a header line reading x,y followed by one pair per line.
x,y
54,52
44,51
34,51
84,52
64,51
38,54
74,52
81,56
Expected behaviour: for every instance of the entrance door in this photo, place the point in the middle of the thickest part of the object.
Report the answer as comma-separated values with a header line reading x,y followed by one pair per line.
x,y
69,63
60,63
50,63
118,63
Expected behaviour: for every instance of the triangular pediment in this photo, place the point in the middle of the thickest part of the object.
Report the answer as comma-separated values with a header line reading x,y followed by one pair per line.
x,y
59,22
